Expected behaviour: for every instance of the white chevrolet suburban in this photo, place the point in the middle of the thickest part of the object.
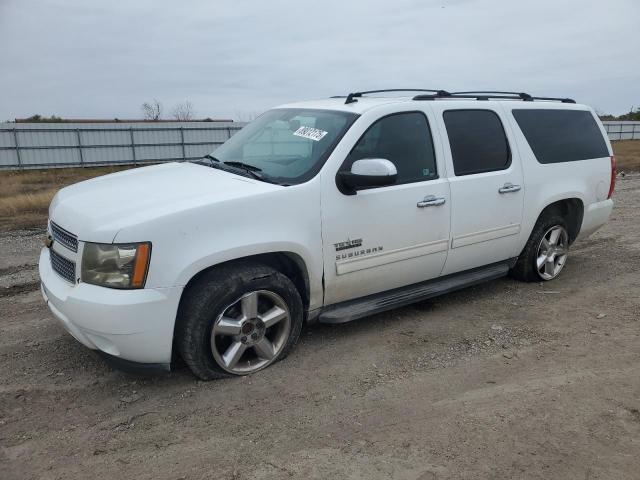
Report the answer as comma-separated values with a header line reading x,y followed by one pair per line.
x,y
324,211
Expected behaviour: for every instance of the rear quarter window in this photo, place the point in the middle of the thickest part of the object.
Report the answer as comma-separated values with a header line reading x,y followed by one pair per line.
x,y
561,135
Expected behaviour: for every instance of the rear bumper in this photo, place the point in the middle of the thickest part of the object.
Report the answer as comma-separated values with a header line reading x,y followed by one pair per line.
x,y
129,325
595,216
135,368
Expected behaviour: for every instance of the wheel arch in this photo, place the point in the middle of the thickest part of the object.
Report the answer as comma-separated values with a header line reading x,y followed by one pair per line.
x,y
571,209
288,263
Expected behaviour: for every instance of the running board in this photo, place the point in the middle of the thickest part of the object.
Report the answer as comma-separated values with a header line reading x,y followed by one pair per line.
x,y
381,302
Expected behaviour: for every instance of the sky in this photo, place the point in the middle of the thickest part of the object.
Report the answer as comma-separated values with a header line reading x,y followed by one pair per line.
x,y
235,59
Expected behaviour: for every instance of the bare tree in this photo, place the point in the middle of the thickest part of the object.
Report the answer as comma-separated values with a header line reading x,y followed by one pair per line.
x,y
152,111
183,112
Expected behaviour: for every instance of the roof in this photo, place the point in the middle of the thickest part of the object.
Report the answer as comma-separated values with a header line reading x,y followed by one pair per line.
x,y
360,103
361,106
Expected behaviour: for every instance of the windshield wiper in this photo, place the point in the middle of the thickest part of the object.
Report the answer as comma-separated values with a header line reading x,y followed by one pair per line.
x,y
253,171
213,161
250,169
245,166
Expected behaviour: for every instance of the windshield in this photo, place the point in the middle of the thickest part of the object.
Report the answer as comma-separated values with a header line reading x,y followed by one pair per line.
x,y
288,146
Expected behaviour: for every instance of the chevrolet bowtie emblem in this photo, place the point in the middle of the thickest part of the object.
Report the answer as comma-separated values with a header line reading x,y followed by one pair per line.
x,y
48,241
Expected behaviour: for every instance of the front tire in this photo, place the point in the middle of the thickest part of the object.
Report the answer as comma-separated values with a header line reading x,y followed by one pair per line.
x,y
545,253
237,320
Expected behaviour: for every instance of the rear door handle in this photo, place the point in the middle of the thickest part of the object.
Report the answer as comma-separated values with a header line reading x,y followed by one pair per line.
x,y
509,187
431,201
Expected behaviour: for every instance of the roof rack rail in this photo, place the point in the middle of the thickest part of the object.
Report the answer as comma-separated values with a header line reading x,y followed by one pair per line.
x,y
486,95
352,97
523,96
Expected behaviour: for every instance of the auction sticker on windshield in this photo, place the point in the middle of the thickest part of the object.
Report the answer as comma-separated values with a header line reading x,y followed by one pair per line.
x,y
311,133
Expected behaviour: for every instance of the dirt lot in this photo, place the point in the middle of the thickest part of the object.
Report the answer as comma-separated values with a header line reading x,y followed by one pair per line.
x,y
627,154
505,380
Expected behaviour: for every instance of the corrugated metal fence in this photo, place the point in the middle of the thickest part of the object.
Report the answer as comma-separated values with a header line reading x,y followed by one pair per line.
x,y
42,145
622,130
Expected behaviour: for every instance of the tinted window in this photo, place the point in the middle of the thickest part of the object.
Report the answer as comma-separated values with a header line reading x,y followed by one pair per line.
x,y
404,139
477,139
561,135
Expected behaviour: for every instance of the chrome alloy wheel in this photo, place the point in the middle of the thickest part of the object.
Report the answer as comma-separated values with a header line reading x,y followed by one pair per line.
x,y
552,252
251,332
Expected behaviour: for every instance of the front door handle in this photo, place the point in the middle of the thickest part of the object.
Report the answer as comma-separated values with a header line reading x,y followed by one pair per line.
x,y
431,201
509,187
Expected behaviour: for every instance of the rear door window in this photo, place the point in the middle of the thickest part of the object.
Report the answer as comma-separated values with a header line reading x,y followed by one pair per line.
x,y
561,135
478,142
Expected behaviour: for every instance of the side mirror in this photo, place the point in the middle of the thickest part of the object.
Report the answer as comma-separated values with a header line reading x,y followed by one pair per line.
x,y
366,173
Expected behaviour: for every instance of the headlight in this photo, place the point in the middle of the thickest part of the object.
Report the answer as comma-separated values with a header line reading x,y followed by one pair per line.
x,y
115,265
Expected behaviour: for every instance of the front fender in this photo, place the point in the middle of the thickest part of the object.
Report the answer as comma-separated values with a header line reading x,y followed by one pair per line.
x,y
185,243
246,251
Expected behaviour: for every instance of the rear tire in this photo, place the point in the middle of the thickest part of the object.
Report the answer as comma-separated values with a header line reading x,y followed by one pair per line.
x,y
545,253
237,320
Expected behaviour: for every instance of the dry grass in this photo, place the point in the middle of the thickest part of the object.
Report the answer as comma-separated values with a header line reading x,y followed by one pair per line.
x,y
27,202
627,154
25,196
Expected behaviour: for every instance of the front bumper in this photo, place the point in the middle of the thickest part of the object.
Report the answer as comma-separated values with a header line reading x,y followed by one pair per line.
x,y
130,325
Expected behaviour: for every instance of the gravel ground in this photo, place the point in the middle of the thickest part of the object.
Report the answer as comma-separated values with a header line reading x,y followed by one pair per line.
x,y
503,380
19,252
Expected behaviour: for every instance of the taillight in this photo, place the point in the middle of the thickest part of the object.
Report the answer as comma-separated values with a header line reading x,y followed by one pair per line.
x,y
614,172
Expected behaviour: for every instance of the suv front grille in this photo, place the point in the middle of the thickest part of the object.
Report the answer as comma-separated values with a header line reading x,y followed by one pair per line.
x,y
63,266
67,239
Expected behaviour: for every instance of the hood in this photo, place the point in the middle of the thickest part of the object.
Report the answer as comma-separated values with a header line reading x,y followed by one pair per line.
x,y
95,210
